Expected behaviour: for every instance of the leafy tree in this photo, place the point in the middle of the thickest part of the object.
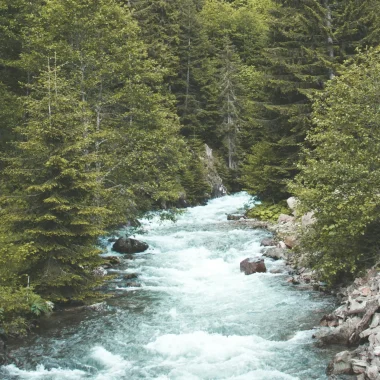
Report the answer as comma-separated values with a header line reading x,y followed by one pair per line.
x,y
341,173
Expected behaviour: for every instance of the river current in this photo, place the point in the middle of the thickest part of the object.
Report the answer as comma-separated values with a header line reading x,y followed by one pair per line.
x,y
195,316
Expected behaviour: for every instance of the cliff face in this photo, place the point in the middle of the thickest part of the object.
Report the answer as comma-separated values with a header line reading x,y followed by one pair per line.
x,y
217,189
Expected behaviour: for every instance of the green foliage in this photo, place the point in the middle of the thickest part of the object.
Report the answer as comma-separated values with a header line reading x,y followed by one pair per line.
x,y
100,144
268,211
341,172
96,96
17,306
194,176
264,173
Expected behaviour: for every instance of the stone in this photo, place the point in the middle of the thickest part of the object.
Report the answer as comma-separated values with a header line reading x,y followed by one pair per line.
x,y
251,265
374,340
340,334
276,271
365,291
276,253
375,321
290,241
358,366
267,242
283,218
329,320
369,331
307,277
341,364
128,245
372,372
376,350
235,217
292,203
376,361
281,244
129,276
308,219
112,260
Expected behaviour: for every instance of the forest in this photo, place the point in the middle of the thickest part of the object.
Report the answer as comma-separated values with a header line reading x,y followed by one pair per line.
x,y
106,106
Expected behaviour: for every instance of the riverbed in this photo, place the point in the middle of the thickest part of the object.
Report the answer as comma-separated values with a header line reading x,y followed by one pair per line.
x,y
195,316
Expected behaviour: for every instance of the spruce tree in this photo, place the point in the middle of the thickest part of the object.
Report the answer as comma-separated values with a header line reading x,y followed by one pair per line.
x,y
298,60
52,211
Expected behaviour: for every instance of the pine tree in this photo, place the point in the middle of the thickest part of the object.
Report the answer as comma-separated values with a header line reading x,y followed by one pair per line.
x,y
299,60
52,212
100,143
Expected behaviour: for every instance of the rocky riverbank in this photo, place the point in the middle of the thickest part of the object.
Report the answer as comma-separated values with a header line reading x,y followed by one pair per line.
x,y
355,323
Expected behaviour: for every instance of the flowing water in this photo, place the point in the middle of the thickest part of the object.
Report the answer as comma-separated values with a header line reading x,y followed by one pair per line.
x,y
194,317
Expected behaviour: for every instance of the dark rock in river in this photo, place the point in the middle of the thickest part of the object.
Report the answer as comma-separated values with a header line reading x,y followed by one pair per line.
x,y
235,217
129,276
109,261
250,266
128,245
267,242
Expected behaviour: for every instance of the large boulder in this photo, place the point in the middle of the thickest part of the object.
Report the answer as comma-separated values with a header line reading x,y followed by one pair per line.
x,y
128,245
276,253
283,218
341,364
291,241
292,203
252,265
338,335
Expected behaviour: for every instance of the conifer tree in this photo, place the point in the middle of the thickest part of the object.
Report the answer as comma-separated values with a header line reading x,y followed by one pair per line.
x,y
52,211
100,143
299,60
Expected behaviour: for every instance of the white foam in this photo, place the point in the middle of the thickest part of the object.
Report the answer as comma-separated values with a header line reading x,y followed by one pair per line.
x,y
115,367
211,347
201,355
197,316
46,374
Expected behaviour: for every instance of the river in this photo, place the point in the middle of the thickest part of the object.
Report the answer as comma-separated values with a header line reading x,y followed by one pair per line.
x,y
195,316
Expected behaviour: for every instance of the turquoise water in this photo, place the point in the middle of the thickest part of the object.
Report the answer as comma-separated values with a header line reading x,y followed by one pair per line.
x,y
194,317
